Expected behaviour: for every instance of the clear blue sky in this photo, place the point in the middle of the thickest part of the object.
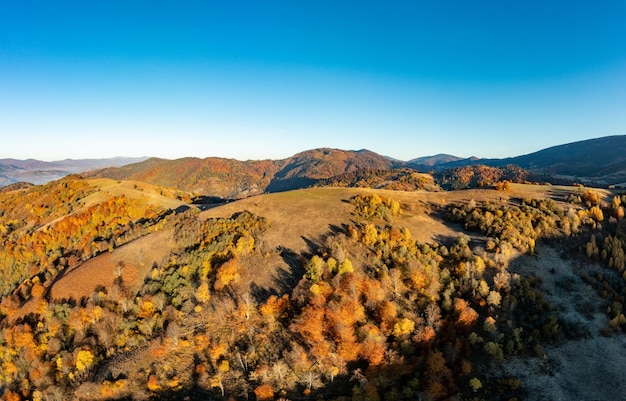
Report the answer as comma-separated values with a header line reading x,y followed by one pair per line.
x,y
267,79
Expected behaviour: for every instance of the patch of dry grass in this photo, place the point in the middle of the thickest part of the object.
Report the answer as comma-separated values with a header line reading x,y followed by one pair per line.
x,y
132,189
299,220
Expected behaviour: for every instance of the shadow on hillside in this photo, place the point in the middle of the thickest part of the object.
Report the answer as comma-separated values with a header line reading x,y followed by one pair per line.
x,y
475,239
287,184
296,262
287,278
562,195
208,202
334,230
261,293
181,209
312,245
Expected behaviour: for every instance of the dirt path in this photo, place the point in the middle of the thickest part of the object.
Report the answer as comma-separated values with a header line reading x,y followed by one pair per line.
x,y
587,368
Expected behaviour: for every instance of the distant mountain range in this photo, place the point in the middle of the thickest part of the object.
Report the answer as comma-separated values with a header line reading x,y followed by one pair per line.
x,y
600,161
39,172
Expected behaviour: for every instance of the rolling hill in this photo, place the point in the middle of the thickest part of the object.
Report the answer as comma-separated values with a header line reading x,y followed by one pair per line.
x,y
225,178
600,161
589,158
232,179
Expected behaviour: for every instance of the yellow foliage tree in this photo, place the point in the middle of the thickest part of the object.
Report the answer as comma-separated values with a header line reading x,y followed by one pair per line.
x,y
596,213
591,197
227,273
153,384
84,359
403,327
346,267
245,244
147,309
264,392
371,234
224,366
202,293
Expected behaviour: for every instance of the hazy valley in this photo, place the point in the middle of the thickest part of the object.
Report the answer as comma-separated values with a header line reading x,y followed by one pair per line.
x,y
39,172
332,274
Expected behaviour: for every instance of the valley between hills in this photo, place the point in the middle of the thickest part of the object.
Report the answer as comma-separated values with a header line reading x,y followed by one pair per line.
x,y
333,275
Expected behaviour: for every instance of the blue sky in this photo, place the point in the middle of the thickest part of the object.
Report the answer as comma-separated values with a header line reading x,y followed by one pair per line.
x,y
256,80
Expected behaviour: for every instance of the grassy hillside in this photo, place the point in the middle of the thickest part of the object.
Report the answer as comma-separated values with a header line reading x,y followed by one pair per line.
x,y
330,293
47,228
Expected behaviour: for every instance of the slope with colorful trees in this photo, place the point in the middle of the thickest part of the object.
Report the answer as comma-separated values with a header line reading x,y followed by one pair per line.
x,y
372,314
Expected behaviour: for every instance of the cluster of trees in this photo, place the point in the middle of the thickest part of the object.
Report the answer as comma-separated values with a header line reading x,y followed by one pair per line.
x,y
42,244
479,176
378,315
395,179
375,207
607,245
58,350
36,205
521,225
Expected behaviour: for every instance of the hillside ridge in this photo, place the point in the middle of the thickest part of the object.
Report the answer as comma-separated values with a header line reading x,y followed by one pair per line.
x,y
599,161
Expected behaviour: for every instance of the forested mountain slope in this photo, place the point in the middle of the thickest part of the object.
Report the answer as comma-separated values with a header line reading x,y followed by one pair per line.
x,y
230,178
600,160
597,162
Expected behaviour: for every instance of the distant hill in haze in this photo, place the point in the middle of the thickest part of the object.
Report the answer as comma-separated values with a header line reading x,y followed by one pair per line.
x,y
599,161
434,160
40,172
